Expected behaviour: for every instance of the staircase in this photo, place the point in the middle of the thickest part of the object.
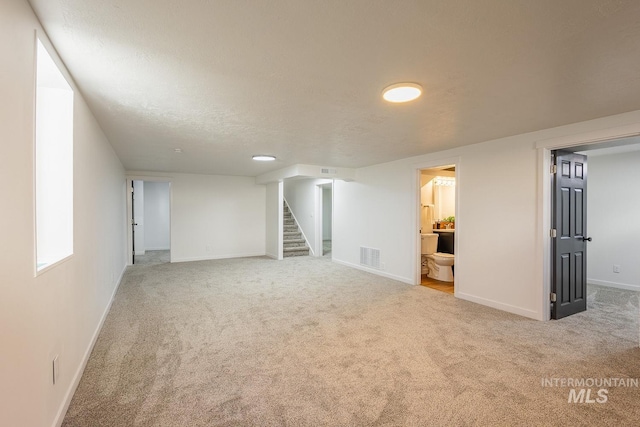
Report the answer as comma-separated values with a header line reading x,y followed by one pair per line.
x,y
293,242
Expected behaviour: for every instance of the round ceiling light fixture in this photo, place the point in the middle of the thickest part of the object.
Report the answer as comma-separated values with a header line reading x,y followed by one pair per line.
x,y
263,158
402,92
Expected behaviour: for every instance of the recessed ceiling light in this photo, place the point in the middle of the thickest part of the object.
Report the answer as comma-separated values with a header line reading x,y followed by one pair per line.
x,y
263,158
402,92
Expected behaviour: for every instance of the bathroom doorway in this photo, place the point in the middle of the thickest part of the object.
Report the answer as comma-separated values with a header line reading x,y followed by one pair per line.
x,y
437,224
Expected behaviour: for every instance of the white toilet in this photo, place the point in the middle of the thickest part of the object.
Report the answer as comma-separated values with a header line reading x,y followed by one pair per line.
x,y
436,265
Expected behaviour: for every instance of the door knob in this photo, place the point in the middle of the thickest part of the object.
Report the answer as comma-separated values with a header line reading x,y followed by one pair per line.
x,y
587,239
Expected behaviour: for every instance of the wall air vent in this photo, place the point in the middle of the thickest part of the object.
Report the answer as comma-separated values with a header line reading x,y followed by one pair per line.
x,y
370,257
328,171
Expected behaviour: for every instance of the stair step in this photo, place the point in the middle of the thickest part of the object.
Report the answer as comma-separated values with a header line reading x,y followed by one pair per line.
x,y
297,246
294,244
295,251
294,240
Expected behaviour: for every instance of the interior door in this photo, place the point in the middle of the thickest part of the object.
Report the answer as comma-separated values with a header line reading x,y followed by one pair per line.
x,y
133,224
569,246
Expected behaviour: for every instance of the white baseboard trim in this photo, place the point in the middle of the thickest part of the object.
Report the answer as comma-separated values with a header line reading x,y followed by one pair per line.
x,y
57,422
212,257
157,249
616,285
139,252
374,271
532,314
272,256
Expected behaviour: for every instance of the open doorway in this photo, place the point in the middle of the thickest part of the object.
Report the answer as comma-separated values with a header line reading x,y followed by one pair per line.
x,y
437,210
326,210
310,202
150,222
610,273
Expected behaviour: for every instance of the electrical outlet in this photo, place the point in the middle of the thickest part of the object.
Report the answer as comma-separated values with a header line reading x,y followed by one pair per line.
x,y
208,248
616,268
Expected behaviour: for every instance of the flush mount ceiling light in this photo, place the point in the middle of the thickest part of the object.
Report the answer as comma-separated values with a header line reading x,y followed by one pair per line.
x,y
402,92
177,150
263,158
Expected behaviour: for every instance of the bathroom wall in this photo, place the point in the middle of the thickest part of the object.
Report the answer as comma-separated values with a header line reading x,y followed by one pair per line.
x,y
613,208
442,197
445,198
427,208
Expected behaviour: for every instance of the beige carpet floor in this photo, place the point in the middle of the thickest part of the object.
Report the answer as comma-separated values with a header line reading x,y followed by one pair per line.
x,y
153,258
307,342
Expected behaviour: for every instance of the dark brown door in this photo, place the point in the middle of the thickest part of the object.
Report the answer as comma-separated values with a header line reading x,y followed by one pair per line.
x,y
569,247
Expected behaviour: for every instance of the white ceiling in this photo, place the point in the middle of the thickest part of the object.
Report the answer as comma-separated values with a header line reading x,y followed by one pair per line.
x,y
226,79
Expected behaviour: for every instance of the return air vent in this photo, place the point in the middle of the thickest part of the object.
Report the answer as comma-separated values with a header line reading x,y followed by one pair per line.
x,y
328,171
370,257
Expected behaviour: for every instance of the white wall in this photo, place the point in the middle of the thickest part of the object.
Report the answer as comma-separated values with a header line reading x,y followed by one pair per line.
x,y
497,184
301,196
377,211
426,192
273,222
157,219
60,311
445,197
428,209
138,212
215,216
613,209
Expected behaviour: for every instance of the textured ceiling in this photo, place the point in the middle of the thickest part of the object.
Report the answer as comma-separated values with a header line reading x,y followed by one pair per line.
x,y
302,79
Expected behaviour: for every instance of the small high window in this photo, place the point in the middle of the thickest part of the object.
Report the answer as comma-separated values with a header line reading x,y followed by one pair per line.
x,y
53,163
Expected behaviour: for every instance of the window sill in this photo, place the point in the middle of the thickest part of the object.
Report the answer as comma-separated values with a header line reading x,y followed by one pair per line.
x,y
43,267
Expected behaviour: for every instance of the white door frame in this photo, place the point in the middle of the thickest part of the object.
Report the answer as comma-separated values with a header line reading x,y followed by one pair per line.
x,y
417,249
543,245
318,249
128,183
